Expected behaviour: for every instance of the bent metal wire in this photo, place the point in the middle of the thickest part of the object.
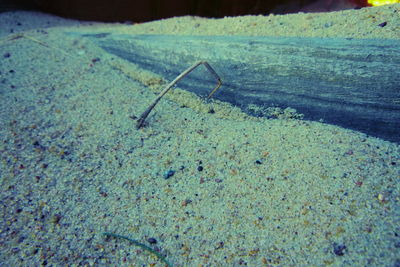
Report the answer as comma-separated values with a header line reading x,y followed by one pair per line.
x,y
144,115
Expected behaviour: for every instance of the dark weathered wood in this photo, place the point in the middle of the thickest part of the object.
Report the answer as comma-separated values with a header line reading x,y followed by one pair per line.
x,y
348,82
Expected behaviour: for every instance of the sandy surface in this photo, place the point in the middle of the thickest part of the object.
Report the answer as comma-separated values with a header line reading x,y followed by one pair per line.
x,y
245,191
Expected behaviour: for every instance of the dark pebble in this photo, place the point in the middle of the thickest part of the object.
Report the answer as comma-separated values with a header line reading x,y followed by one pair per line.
x,y
200,168
6,55
338,249
169,174
383,24
152,240
258,162
57,218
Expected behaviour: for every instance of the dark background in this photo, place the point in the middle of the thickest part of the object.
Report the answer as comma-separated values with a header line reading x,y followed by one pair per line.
x,y
146,10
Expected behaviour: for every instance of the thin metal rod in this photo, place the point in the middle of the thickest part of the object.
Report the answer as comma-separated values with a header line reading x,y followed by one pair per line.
x,y
144,115
213,72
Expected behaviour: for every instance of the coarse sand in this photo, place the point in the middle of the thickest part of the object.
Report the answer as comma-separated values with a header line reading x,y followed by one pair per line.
x,y
203,188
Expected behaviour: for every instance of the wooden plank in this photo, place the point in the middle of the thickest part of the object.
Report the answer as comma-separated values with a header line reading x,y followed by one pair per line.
x,y
353,83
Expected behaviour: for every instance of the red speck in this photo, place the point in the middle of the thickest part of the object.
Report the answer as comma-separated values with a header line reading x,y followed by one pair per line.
x,y
359,183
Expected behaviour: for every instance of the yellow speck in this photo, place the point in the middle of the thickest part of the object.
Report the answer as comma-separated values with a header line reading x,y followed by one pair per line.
x,y
265,154
382,198
339,231
254,252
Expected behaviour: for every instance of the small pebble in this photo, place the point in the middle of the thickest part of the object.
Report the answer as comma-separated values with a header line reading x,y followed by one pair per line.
x,y
6,55
56,218
200,168
186,202
383,24
338,249
220,245
152,240
168,174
